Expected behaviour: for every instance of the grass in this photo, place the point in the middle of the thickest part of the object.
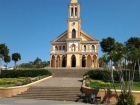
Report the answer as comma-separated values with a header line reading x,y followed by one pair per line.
x,y
7,85
99,84
11,82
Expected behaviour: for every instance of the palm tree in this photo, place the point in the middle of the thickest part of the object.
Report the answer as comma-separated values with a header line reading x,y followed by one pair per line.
x,y
16,57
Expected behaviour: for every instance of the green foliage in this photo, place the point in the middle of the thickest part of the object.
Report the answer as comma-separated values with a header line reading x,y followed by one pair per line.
x,y
16,57
105,75
3,50
133,41
99,74
126,99
37,61
99,84
23,73
107,44
7,59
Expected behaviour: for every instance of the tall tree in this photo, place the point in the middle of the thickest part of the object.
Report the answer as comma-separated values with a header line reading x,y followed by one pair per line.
x,y
107,44
37,60
3,50
135,41
7,59
16,57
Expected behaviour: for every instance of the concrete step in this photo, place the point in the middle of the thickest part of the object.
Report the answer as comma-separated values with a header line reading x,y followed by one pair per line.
x,y
52,93
68,72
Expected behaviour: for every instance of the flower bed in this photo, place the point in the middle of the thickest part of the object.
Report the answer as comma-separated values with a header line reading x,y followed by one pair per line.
x,y
8,82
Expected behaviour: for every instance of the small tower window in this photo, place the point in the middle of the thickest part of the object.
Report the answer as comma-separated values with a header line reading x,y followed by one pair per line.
x,y
75,11
84,47
56,48
93,48
63,48
72,11
73,33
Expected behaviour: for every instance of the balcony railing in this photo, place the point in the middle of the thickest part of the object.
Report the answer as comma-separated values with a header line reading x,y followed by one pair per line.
x,y
63,51
89,51
58,51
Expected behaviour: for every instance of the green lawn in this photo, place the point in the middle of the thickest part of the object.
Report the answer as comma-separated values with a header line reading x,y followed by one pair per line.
x,y
99,84
11,82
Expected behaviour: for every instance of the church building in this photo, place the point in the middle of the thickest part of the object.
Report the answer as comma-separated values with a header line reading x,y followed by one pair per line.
x,y
74,47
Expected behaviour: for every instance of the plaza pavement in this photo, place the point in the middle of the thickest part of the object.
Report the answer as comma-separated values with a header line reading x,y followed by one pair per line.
x,y
53,82
61,82
15,101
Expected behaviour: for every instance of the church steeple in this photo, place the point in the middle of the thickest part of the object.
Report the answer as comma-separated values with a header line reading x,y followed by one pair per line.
x,y
74,20
74,9
74,1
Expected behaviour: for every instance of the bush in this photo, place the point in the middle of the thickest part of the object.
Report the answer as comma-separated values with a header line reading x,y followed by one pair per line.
x,y
99,74
106,74
126,99
23,73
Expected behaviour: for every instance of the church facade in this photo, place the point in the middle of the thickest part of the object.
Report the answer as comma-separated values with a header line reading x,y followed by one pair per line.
x,y
74,47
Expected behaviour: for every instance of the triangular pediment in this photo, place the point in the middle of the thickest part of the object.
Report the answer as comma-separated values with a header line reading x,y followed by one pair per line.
x,y
86,37
61,38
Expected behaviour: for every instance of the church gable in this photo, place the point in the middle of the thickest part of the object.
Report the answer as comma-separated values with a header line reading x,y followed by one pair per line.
x,y
86,37
63,38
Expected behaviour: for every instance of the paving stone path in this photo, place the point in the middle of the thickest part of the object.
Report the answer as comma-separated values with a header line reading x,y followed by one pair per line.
x,y
61,82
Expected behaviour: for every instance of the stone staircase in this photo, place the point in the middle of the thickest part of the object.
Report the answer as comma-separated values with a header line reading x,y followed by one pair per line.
x,y
52,93
69,73
44,91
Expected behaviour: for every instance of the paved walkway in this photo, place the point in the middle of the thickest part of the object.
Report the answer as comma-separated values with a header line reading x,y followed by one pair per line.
x,y
14,101
61,82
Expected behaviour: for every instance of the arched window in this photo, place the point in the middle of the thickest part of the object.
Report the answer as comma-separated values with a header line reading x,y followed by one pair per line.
x,y
56,48
75,11
64,48
93,48
84,47
72,11
73,33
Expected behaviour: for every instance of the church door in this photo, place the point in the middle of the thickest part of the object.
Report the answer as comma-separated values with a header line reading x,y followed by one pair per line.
x,y
64,62
73,61
83,62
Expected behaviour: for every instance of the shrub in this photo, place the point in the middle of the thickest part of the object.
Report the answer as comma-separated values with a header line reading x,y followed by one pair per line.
x,y
106,74
23,73
126,99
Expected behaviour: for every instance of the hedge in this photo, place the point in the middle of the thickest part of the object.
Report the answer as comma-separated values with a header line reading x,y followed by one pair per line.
x,y
23,73
106,74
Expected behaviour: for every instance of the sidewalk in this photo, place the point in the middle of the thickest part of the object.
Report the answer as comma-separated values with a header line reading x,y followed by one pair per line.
x,y
14,101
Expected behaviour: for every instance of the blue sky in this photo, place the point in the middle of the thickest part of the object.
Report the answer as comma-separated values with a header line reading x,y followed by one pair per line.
x,y
28,26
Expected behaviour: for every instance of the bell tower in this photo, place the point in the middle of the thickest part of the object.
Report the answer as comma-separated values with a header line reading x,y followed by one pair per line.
x,y
74,20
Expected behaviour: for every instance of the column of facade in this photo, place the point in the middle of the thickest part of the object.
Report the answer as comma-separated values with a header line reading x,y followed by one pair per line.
x,y
55,60
86,60
92,61
73,11
60,60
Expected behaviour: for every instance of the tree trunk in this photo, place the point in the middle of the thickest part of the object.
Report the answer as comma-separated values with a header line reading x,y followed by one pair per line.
x,y
132,79
15,64
6,65
112,77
